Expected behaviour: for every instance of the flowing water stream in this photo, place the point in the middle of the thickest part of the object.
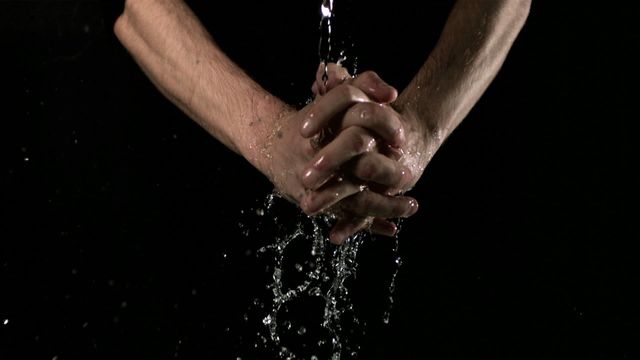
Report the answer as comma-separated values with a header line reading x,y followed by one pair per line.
x,y
320,277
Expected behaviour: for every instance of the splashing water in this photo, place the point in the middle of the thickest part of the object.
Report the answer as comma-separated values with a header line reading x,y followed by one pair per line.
x,y
326,45
323,278
321,282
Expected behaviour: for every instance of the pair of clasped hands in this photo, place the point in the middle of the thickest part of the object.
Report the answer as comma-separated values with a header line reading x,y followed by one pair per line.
x,y
352,154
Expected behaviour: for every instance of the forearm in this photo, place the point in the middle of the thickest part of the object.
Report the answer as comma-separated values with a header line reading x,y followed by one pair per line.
x,y
471,50
179,56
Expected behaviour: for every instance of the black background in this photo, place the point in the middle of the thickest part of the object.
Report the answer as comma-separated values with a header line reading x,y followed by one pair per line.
x,y
119,230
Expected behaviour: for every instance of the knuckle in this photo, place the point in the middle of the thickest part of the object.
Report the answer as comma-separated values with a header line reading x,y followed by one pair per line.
x,y
354,137
379,117
360,142
362,200
352,93
376,115
368,170
399,207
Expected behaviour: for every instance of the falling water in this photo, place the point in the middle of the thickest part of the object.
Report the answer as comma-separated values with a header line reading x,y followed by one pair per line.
x,y
321,273
325,271
324,45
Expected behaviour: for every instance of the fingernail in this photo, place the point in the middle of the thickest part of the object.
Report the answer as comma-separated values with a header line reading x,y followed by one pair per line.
x,y
412,208
308,175
389,229
306,125
392,230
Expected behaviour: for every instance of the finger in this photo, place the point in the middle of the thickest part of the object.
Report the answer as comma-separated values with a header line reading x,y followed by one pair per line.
x,y
348,144
369,203
318,87
346,227
380,119
372,85
384,227
349,226
336,75
379,169
315,89
329,106
392,152
337,189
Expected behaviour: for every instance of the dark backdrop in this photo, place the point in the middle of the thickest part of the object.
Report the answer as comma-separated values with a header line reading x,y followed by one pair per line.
x,y
119,230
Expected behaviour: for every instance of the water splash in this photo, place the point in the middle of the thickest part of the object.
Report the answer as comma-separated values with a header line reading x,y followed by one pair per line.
x,y
321,280
326,45
322,273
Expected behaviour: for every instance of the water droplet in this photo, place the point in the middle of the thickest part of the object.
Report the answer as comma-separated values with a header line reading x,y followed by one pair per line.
x,y
260,212
315,292
302,330
5,322
326,7
299,267
386,317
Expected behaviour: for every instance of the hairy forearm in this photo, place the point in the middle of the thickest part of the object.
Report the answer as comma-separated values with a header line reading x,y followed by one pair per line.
x,y
182,60
471,50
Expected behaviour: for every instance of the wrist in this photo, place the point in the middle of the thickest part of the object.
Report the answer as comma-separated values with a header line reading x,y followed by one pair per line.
x,y
422,124
261,131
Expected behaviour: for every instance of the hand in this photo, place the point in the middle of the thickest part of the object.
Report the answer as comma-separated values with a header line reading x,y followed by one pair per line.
x,y
382,173
287,154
